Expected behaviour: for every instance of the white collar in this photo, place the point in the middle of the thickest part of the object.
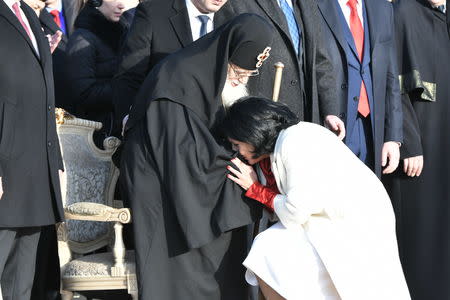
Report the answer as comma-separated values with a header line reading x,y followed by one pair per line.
x,y
59,7
10,3
194,12
344,2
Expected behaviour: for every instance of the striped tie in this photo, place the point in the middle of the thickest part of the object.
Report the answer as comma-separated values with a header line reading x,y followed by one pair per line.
x,y
292,24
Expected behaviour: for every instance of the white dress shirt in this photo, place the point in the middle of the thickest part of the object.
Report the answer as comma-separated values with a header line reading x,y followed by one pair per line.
x,y
195,22
346,11
59,7
289,2
10,4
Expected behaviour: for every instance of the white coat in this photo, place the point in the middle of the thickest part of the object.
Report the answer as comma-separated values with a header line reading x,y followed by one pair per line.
x,y
332,210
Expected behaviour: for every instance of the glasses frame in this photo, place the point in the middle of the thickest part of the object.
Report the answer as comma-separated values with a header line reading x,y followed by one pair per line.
x,y
240,75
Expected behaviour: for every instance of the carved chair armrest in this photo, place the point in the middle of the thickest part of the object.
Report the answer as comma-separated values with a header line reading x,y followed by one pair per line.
x,y
88,211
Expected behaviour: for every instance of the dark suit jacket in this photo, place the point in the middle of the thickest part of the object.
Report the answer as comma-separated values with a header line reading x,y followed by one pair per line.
x,y
386,110
317,98
29,149
159,28
62,96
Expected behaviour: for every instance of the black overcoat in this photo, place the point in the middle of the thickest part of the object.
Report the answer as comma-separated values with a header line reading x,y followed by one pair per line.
x,y
92,60
422,203
29,149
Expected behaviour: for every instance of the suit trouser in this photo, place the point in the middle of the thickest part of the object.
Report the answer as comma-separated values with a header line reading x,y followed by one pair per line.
x,y
18,248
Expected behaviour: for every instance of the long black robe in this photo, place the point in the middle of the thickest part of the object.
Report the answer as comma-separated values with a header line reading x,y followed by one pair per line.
x,y
422,203
189,220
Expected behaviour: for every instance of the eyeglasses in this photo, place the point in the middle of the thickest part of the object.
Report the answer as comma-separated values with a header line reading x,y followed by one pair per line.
x,y
241,75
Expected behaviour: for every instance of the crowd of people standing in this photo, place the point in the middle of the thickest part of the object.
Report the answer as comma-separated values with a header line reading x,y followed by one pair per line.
x,y
166,76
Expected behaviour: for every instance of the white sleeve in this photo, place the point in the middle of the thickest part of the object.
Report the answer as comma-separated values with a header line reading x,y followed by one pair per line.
x,y
309,186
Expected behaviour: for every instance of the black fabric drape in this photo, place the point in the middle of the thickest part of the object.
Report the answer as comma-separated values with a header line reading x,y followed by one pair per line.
x,y
422,203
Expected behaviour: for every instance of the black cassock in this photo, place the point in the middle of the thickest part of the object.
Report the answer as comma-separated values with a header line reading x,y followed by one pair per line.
x,y
189,220
422,203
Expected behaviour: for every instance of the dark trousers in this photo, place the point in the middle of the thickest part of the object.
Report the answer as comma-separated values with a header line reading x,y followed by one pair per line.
x,y
18,248
47,276
360,141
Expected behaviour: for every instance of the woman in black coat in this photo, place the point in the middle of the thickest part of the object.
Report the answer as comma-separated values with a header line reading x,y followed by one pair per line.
x,y
93,55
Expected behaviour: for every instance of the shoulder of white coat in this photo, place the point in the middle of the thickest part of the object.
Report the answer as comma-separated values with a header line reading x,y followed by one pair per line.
x,y
305,132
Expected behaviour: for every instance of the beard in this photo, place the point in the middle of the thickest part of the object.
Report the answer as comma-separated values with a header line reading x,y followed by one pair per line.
x,y
231,94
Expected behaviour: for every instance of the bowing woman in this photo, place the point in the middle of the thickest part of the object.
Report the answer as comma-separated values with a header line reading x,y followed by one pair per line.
x,y
335,238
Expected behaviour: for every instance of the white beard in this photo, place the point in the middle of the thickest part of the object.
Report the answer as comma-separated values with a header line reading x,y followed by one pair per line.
x,y
231,94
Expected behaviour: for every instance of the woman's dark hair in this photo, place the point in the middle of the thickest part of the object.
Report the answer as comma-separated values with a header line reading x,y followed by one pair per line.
x,y
257,121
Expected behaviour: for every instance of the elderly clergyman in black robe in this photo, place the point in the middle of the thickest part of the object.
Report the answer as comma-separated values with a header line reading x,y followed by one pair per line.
x,y
189,221
420,189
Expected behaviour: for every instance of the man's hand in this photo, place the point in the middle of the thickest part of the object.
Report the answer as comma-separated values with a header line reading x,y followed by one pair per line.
x,y
391,151
54,40
413,166
245,177
336,125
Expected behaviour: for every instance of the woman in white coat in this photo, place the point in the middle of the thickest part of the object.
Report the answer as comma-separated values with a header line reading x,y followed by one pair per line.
x,y
335,238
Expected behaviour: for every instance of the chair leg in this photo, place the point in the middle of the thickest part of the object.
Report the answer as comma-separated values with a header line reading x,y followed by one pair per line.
x,y
134,296
66,295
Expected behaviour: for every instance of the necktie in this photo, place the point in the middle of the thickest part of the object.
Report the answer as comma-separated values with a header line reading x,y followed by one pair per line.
x,y
203,29
19,16
55,14
292,24
358,36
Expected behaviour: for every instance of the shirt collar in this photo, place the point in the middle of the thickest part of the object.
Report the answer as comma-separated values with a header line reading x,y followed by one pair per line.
x,y
194,12
289,2
344,2
439,7
59,7
10,3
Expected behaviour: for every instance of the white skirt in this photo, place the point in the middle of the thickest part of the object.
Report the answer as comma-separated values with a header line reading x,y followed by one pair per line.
x,y
288,263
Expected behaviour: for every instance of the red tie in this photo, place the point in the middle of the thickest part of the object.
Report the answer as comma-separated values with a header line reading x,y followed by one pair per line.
x,y
19,16
358,36
55,14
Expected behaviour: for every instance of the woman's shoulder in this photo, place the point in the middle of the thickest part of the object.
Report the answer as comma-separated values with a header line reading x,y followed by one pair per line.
x,y
305,138
305,130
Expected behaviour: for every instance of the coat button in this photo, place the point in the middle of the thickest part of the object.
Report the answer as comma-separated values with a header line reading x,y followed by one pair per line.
x,y
343,86
293,82
49,107
49,144
362,72
355,98
341,116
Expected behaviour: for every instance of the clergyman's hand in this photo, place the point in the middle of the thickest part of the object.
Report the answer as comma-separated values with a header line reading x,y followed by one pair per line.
x,y
336,125
53,40
413,166
391,151
245,177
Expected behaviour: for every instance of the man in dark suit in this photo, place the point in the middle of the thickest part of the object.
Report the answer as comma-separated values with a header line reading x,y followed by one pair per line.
x,y
361,44
29,149
64,13
59,62
159,28
308,85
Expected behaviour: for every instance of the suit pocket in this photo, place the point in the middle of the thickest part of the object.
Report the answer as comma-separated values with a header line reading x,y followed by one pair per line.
x,y
7,133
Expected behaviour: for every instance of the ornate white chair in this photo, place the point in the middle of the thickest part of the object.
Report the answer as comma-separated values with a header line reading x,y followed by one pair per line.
x,y
88,192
